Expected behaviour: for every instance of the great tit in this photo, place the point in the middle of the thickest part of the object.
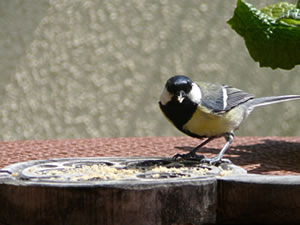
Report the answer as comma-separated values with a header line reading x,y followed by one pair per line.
x,y
205,110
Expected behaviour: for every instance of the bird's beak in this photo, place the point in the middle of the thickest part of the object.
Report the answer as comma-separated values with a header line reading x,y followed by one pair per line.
x,y
180,97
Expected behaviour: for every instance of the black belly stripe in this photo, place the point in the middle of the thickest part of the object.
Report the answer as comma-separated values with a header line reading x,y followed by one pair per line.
x,y
179,113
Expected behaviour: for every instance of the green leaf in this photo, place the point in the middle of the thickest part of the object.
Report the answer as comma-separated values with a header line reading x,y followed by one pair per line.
x,y
271,34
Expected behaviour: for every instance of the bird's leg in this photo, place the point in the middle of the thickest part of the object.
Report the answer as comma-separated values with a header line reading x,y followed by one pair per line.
x,y
218,159
192,154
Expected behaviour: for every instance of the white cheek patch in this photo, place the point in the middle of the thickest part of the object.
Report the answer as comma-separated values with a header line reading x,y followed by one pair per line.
x,y
195,94
165,97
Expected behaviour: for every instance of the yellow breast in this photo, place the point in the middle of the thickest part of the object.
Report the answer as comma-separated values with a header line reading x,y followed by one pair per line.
x,y
205,123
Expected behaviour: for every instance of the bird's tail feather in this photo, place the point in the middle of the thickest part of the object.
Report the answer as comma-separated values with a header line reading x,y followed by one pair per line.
x,y
271,100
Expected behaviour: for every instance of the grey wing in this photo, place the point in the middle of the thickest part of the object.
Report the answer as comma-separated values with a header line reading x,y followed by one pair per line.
x,y
221,98
212,97
235,97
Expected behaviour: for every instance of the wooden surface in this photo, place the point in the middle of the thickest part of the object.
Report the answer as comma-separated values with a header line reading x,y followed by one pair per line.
x,y
249,199
258,155
259,200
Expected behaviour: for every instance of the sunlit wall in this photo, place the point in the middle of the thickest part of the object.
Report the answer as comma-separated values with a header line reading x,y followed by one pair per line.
x,y
80,69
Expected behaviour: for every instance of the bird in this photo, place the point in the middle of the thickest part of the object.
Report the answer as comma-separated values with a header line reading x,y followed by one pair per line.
x,y
206,110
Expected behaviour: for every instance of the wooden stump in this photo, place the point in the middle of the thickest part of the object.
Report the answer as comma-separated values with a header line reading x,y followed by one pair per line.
x,y
34,193
147,191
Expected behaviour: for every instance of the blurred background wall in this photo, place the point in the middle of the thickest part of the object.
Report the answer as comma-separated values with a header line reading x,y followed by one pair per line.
x,y
79,69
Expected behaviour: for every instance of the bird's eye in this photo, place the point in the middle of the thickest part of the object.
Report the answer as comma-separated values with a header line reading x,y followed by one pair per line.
x,y
185,87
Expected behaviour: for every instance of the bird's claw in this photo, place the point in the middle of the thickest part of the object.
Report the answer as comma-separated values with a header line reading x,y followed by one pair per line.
x,y
188,156
215,161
